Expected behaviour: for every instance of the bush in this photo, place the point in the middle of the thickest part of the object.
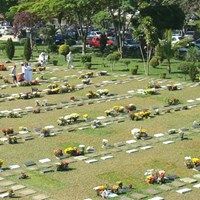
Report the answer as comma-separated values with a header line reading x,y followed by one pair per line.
x,y
52,48
10,49
134,71
154,62
86,58
193,72
27,49
64,49
163,75
88,65
55,62
184,68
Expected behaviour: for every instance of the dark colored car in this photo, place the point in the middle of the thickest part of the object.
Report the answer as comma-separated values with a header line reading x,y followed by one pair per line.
x,y
59,39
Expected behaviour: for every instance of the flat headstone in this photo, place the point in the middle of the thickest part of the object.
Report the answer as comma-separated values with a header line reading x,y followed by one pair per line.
x,y
27,192
6,183
17,187
197,168
45,160
101,117
195,176
106,157
138,196
177,184
91,161
130,141
157,198
80,158
4,195
40,197
32,168
1,178
132,151
158,135
152,191
165,187
188,180
125,198
3,190
190,100
198,99
197,186
14,166
184,190
146,147
168,142
29,163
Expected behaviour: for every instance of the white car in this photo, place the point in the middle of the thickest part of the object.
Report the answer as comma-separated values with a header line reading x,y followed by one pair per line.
x,y
94,34
6,30
175,39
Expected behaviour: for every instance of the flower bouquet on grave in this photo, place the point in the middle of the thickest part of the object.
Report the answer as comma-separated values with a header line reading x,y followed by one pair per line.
x,y
8,131
58,152
102,92
172,87
153,84
119,109
155,176
172,101
1,163
192,162
2,67
52,86
151,91
92,95
62,166
130,107
72,151
85,117
61,121
45,132
111,113
89,74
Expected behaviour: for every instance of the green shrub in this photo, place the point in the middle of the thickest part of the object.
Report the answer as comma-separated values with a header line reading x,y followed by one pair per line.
x,y
52,48
193,72
75,50
134,70
27,49
184,68
88,65
163,75
86,58
55,62
64,50
10,49
154,62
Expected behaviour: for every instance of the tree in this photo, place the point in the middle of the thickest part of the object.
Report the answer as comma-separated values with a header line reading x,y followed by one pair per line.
x,y
6,4
165,48
113,58
24,20
64,50
10,49
27,49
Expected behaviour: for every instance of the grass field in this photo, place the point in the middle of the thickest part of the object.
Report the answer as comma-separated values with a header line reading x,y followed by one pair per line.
x,y
78,183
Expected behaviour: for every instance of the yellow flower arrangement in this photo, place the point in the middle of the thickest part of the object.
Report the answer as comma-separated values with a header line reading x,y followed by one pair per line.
x,y
1,163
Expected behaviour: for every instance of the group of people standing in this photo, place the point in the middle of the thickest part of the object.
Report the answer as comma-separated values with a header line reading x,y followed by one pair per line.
x,y
25,75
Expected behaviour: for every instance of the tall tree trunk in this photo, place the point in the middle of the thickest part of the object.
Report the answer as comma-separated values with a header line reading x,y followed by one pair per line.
x,y
169,66
143,59
84,45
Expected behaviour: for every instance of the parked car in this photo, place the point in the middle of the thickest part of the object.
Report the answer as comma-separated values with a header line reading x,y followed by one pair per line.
x,y
197,43
6,30
189,34
59,39
94,34
131,43
175,39
95,42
